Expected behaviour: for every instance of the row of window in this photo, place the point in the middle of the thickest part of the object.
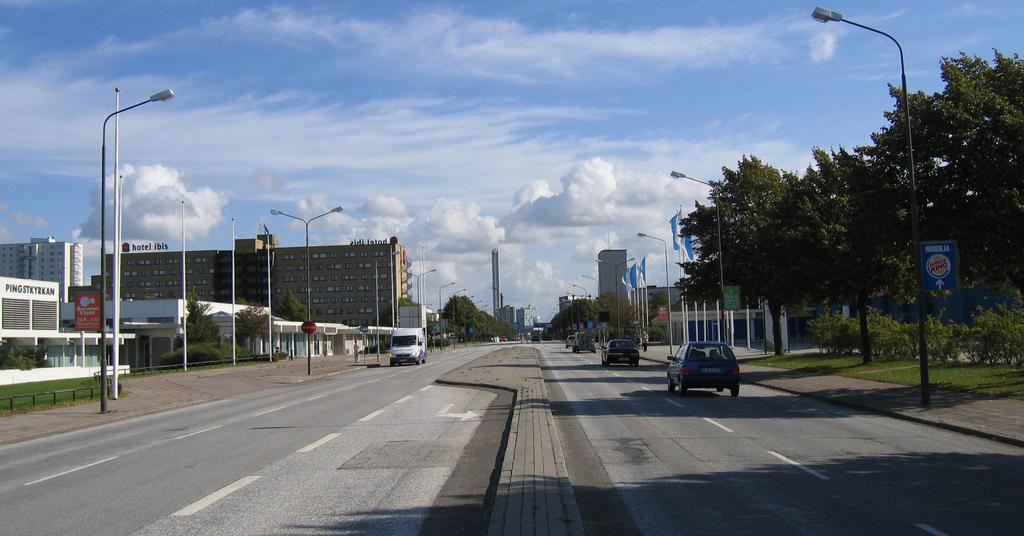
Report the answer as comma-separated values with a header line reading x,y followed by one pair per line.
x,y
335,255
146,262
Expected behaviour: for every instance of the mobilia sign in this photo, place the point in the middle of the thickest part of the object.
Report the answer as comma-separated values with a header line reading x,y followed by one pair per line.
x,y
128,247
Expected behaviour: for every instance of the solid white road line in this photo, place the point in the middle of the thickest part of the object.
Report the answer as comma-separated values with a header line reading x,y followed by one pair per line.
x,y
269,411
614,373
312,398
726,428
674,403
798,465
199,432
318,442
71,470
445,409
930,530
372,415
215,496
403,399
427,387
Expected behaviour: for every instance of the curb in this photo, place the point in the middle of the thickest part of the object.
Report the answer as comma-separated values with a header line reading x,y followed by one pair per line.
x,y
991,436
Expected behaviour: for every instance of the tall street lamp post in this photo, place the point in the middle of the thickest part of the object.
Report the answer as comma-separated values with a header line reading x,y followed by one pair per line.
x,y
721,270
162,96
668,293
824,15
418,282
579,315
440,305
309,297
270,316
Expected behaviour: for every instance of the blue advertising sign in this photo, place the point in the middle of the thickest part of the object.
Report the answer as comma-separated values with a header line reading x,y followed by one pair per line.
x,y
940,265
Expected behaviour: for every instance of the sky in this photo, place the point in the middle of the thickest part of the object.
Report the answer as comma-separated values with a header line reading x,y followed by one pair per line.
x,y
546,129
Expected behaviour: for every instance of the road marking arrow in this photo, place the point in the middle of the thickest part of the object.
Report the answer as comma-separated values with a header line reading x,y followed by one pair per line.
x,y
468,415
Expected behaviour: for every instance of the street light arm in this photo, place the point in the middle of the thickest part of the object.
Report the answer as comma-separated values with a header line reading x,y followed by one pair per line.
x,y
332,211
678,175
275,212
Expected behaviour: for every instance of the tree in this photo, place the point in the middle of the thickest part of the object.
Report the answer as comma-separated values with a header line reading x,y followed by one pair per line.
x,y
761,254
290,308
251,324
969,163
201,327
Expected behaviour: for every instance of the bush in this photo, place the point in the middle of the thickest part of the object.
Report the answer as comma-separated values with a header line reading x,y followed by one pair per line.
x,y
943,340
997,337
204,351
835,333
891,339
23,358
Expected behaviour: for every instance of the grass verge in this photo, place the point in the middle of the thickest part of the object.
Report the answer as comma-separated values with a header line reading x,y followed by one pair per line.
x,y
44,400
991,380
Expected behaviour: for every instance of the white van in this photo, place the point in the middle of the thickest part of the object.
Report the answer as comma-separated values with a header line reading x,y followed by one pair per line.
x,y
408,345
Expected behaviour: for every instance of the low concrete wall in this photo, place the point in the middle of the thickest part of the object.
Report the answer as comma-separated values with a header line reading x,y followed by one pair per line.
x,y
10,377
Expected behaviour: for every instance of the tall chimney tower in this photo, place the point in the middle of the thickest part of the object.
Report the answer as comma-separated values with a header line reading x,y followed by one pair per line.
x,y
495,283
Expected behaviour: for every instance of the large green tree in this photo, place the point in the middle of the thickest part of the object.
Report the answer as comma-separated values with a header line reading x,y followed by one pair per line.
x,y
969,163
251,324
290,308
201,327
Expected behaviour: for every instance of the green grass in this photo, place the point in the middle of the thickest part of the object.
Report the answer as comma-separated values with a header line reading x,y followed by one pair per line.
x,y
992,380
46,401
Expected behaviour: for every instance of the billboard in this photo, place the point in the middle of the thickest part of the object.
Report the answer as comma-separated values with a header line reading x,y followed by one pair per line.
x,y
87,311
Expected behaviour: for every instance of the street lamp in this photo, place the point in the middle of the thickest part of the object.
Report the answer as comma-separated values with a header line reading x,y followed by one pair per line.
x,y
579,316
597,285
439,305
721,271
825,15
614,272
270,316
418,276
162,96
668,294
309,298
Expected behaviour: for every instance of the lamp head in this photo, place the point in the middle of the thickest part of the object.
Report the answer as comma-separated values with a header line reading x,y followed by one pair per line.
x,y
275,212
164,95
337,209
821,14
678,175
642,235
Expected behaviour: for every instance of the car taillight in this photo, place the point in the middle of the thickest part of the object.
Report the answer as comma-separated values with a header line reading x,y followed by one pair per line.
x,y
736,370
686,371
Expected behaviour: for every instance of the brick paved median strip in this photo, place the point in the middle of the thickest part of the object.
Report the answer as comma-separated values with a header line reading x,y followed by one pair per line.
x,y
533,495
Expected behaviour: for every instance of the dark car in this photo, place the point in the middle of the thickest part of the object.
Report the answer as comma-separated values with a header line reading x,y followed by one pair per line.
x,y
704,364
620,351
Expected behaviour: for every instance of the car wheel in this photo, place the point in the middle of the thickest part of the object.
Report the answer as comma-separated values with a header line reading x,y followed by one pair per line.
x,y
671,386
734,391
391,363
682,391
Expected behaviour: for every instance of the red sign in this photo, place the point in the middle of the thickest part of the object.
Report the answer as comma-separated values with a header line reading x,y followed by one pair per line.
x,y
87,311
309,327
662,312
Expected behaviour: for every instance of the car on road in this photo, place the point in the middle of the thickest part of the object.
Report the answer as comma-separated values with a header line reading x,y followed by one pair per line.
x,y
620,351
570,340
408,345
584,343
704,364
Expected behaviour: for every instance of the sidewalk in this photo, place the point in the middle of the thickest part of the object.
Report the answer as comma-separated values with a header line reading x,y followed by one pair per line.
x,y
998,419
534,495
143,395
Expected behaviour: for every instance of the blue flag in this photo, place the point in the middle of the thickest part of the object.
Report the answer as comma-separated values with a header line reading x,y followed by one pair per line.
x,y
632,276
625,277
643,272
675,231
688,247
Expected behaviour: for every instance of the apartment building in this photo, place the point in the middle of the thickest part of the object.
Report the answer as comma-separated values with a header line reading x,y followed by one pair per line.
x,y
342,277
44,259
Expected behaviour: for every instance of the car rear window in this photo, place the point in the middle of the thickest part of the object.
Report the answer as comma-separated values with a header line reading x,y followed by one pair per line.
x,y
710,352
620,345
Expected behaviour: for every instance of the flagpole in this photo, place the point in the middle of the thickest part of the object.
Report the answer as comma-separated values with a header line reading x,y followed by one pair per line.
x,y
184,297
234,342
116,294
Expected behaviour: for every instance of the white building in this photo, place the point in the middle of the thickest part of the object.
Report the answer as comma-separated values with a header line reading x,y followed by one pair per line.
x,y
44,259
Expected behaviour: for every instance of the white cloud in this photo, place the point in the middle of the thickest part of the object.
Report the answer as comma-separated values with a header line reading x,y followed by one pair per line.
x,y
151,206
823,46
454,226
385,205
25,219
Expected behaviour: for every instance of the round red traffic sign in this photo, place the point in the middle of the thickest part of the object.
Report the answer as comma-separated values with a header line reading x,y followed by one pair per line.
x,y
309,327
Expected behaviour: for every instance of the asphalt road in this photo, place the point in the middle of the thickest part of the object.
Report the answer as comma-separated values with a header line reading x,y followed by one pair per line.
x,y
366,452
645,460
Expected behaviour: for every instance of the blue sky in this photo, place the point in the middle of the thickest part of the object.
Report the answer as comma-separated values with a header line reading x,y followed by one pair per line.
x,y
546,129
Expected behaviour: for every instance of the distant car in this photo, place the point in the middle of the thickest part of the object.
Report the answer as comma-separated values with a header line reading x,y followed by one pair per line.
x,y
584,342
620,351
570,340
704,364
535,338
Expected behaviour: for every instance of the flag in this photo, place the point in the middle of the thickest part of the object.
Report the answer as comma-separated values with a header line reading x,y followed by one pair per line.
x,y
675,231
632,276
643,272
688,248
625,277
